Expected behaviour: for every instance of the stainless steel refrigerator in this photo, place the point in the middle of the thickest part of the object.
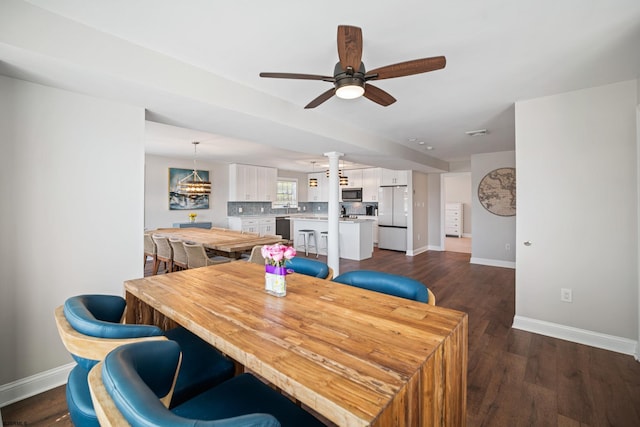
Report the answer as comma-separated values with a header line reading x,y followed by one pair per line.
x,y
393,208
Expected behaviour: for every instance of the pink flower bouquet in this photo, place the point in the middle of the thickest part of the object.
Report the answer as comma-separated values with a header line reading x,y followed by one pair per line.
x,y
275,257
277,254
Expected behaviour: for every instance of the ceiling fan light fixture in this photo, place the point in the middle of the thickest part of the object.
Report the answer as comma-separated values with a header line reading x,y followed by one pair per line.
x,y
349,88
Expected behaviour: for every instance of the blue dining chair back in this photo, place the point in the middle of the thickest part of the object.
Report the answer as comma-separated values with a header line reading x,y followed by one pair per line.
x,y
308,267
90,327
134,384
387,283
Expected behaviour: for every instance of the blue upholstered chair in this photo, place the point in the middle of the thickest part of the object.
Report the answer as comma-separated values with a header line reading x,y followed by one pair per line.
x,y
309,267
90,327
386,283
133,382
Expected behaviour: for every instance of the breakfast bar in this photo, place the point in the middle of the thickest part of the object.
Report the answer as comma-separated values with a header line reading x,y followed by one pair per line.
x,y
355,240
357,357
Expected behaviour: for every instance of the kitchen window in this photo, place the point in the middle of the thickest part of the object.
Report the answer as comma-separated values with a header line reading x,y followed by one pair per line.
x,y
287,193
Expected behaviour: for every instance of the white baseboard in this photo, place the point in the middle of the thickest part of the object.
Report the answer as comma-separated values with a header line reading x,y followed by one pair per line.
x,y
435,248
493,262
35,384
580,336
415,252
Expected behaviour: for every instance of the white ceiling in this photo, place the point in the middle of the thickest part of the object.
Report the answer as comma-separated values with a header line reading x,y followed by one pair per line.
x,y
195,64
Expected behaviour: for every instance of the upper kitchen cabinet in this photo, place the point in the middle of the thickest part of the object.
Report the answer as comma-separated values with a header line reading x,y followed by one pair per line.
x,y
249,183
393,177
355,178
267,183
370,184
321,192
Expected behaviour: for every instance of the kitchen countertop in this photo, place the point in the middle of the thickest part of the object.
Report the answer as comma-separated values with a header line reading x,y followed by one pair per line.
x,y
325,218
306,216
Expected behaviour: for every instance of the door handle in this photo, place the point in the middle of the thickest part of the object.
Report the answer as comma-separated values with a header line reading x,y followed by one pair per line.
x,y
527,243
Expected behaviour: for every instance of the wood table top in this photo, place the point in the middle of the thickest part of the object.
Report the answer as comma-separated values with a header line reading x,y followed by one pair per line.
x,y
219,239
350,354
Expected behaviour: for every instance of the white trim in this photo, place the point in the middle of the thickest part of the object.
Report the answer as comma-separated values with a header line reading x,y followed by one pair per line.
x,y
35,384
435,248
417,251
637,354
468,235
580,336
493,262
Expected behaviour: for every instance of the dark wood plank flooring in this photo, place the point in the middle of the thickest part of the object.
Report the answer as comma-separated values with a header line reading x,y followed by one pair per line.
x,y
515,378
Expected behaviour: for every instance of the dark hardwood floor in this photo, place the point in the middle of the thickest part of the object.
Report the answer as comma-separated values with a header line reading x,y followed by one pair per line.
x,y
515,378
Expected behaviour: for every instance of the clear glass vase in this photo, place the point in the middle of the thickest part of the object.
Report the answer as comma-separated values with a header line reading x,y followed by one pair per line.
x,y
275,280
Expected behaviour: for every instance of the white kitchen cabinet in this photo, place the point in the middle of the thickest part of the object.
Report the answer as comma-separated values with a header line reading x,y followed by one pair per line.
x,y
393,177
453,220
321,192
370,184
267,182
249,183
374,225
355,178
260,225
267,226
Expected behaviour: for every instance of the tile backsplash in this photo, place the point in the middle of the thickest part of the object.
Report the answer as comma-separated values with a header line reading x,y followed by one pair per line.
x,y
264,208
315,208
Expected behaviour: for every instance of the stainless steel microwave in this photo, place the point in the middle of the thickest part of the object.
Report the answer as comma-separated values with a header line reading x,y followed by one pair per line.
x,y
352,194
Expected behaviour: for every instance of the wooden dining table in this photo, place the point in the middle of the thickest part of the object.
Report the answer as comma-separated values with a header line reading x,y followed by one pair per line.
x,y
356,357
222,241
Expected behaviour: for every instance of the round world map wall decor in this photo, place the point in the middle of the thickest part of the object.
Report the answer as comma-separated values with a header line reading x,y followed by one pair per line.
x,y
497,192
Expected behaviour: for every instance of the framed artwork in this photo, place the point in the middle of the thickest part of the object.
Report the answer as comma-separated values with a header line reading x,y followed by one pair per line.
x,y
180,201
497,192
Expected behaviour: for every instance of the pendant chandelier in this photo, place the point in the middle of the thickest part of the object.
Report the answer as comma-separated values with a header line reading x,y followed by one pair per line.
x,y
344,180
193,184
313,182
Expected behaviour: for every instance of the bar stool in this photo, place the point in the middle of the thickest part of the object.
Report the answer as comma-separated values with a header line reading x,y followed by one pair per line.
x,y
324,242
306,236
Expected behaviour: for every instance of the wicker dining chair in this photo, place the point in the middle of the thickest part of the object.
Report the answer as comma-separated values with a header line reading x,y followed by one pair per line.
x,y
164,253
197,256
179,254
149,249
256,255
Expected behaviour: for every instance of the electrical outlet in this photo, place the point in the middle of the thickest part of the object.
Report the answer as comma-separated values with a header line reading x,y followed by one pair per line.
x,y
318,207
239,210
565,295
507,246
261,209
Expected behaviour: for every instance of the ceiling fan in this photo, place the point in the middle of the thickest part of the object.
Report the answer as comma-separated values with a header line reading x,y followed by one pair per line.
x,y
350,77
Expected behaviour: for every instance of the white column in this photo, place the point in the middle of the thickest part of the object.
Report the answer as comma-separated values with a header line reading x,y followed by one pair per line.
x,y
333,213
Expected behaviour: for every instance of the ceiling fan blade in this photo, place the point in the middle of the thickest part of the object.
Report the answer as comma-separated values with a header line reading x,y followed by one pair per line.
x,y
319,100
378,96
349,46
407,68
297,76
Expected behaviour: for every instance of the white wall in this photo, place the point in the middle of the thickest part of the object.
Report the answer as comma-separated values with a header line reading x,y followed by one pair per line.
x,y
576,156
71,218
420,228
491,233
156,192
434,211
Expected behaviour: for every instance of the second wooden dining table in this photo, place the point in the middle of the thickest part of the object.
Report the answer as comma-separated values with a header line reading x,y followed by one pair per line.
x,y
357,357
223,241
